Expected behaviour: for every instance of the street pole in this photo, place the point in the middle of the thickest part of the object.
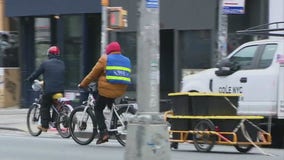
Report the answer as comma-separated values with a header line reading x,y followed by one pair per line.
x,y
104,33
147,137
222,32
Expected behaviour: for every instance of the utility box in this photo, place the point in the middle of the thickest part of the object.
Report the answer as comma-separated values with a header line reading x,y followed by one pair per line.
x,y
9,87
204,104
200,104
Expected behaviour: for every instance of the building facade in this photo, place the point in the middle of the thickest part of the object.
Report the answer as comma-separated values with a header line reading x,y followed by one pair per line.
x,y
188,36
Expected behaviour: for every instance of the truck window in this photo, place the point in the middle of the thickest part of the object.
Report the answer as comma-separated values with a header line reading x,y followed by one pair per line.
x,y
244,57
267,56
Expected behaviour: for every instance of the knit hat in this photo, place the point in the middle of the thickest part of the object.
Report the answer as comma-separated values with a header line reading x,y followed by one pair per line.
x,y
113,47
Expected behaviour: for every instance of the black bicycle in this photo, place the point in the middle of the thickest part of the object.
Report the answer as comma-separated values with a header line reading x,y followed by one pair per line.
x,y
60,110
83,126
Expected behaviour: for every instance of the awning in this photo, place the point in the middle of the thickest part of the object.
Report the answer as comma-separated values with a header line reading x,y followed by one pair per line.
x,y
17,8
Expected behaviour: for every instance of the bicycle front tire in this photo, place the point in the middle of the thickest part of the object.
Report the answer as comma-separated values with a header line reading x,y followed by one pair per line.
x,y
33,120
82,132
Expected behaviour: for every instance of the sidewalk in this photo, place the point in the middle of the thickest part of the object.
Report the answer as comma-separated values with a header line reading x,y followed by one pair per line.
x,y
13,118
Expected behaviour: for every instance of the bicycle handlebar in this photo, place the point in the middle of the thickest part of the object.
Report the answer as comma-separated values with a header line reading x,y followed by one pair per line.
x,y
129,99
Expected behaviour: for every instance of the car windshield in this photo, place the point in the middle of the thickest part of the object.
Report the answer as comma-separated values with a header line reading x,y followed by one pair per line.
x,y
244,57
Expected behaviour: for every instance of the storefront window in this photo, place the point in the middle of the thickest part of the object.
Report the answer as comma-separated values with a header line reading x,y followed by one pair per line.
x,y
72,49
128,44
195,49
9,56
42,39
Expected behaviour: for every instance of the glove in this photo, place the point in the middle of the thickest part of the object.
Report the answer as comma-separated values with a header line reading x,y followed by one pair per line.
x,y
81,87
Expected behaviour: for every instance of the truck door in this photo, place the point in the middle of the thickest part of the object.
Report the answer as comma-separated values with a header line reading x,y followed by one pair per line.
x,y
256,78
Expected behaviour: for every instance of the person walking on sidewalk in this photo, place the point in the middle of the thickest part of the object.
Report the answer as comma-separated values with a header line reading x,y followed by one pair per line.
x,y
53,71
112,71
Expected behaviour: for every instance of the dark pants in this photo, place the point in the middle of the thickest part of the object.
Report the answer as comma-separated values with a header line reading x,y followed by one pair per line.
x,y
101,103
45,109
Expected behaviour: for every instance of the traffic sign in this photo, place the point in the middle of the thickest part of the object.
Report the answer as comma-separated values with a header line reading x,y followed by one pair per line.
x,y
152,4
233,6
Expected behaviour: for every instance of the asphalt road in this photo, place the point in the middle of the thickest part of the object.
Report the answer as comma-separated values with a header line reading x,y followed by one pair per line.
x,y
21,146
17,144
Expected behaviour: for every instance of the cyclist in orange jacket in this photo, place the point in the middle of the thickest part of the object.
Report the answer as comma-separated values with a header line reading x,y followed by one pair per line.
x,y
112,71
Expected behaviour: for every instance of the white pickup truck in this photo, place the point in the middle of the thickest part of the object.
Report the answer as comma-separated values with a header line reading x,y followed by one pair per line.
x,y
255,70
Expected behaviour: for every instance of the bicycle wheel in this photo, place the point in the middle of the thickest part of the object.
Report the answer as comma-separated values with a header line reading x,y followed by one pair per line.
x,y
33,119
83,127
204,142
124,114
243,148
62,122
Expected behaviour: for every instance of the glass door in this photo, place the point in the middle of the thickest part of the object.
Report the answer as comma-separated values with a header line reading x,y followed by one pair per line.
x,y
42,39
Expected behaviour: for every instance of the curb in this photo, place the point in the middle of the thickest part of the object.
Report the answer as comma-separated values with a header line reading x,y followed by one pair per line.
x,y
12,129
12,124
13,111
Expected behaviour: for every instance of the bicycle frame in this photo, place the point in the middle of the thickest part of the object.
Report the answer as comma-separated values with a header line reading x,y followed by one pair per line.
x,y
56,104
90,103
60,103
59,107
83,125
113,112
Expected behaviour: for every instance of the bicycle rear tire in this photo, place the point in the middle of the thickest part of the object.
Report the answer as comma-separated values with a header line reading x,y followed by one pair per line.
x,y
33,120
121,132
82,133
62,122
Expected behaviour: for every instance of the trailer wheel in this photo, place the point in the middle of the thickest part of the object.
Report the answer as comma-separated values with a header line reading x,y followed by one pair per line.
x,y
204,142
243,148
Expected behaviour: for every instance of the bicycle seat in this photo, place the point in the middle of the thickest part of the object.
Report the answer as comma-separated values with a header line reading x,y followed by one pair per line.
x,y
57,96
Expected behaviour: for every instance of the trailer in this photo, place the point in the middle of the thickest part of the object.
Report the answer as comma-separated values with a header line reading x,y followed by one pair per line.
x,y
208,119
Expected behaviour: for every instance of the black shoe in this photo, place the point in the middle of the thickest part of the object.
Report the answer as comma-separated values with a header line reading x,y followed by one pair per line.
x,y
174,145
103,138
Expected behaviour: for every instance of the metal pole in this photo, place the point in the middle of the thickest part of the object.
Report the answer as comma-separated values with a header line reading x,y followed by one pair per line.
x,y
147,137
104,33
222,32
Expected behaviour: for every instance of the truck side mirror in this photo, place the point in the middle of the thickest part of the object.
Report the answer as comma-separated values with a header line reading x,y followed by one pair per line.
x,y
226,67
